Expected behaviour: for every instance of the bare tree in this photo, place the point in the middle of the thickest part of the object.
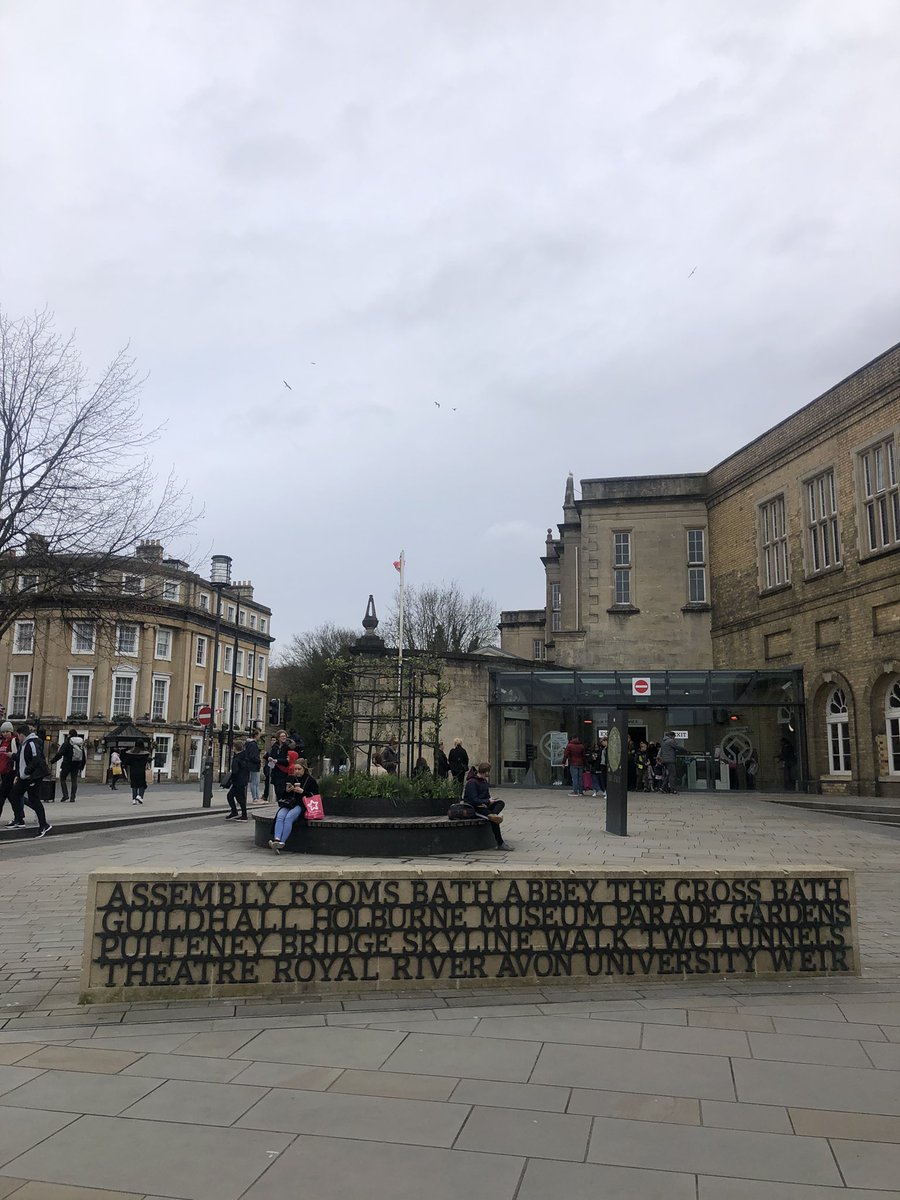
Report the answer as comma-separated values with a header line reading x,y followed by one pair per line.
x,y
77,488
441,618
303,674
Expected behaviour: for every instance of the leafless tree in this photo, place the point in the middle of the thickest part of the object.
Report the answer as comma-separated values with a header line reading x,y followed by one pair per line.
x,y
441,618
78,491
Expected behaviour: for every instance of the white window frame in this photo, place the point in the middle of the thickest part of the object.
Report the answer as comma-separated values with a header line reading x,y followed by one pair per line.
x,y
71,712
196,700
262,625
28,583
133,585
892,726
253,620
538,649
123,625
260,668
229,613
20,628
242,616
251,663
879,489
123,712
239,662
774,549
162,743
80,638
823,534
226,706
163,707
171,590
837,732
195,756
228,659
170,636
259,708
696,566
623,560
201,650
238,709
12,711
203,601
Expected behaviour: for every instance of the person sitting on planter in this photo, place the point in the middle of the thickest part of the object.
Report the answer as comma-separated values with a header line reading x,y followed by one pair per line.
x,y
291,808
421,770
478,797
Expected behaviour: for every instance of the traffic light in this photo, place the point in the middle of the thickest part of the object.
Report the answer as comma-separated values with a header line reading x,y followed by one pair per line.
x,y
288,712
274,712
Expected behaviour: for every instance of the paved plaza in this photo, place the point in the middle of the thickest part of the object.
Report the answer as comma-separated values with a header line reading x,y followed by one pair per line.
x,y
710,1090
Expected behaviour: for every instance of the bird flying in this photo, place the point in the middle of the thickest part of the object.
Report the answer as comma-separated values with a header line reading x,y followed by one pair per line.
x,y
287,385
692,272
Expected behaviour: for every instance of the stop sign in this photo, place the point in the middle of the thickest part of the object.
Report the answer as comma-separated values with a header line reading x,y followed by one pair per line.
x,y
640,686
204,714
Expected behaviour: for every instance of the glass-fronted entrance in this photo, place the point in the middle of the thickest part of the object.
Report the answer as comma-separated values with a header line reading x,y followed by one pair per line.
x,y
736,730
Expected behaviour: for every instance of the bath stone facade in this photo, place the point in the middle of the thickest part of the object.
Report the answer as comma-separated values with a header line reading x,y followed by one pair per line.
x,y
163,934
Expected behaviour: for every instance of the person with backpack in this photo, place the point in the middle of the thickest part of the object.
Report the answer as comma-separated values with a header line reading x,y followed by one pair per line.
x,y
31,770
8,748
71,752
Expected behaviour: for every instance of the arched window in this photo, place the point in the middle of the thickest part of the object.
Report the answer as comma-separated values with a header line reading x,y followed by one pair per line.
x,y
892,724
837,720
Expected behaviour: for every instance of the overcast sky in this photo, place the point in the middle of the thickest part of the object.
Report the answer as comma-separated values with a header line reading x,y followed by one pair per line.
x,y
495,207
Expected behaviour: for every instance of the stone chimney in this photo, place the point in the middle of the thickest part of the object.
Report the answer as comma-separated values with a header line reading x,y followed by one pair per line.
x,y
243,588
150,550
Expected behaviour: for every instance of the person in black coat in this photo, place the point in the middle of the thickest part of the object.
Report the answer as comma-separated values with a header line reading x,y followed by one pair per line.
x,y
251,750
136,761
31,768
441,763
458,761
238,778
477,796
73,757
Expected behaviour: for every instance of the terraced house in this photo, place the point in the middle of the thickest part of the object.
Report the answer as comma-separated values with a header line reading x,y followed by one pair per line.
x,y
131,645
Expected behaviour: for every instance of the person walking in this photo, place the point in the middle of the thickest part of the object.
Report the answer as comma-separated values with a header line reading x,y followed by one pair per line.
x,y
788,759
601,768
71,752
271,755
238,778
668,749
9,749
116,769
644,768
136,761
573,758
251,750
458,760
441,762
291,806
477,796
31,771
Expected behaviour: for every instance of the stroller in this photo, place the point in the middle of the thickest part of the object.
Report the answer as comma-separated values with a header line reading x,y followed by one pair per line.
x,y
659,776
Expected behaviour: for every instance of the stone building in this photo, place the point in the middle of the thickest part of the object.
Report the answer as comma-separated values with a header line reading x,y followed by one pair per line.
x,y
782,558
134,644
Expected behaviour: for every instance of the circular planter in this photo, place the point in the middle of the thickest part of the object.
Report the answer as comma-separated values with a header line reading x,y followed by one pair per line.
x,y
401,837
384,806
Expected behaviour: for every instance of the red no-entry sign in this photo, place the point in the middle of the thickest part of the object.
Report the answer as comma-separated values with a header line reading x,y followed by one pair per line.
x,y
640,686
204,714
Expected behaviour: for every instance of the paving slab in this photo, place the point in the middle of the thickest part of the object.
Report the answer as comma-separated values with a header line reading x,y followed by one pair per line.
x,y
334,1168
571,1030
828,1029
656,1072
64,1191
288,1075
511,1061
20,1129
886,1056
857,1127
799,1085
185,1066
739,1153
492,1094
682,1110
833,1052
367,1118
702,1018
868,1164
764,1118
194,1162
390,1083
727,1042
80,1092
577,1181
14,1052
746,1189
364,1049
189,1102
74,1058
525,1132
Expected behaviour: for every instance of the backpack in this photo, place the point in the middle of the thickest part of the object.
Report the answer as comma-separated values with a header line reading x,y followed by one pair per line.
x,y
77,753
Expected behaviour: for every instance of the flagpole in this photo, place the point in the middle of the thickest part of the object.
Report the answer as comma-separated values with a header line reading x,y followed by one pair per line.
x,y
400,655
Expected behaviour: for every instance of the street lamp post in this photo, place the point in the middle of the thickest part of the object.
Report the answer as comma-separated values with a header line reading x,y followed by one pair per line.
x,y
220,578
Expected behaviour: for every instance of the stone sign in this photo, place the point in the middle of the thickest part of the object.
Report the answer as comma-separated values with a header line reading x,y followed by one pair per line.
x,y
204,933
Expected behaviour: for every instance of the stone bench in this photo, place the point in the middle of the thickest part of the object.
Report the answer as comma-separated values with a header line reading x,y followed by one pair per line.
x,y
380,837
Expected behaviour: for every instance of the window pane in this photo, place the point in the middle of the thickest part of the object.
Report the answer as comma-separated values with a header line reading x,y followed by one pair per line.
x,y
623,587
697,580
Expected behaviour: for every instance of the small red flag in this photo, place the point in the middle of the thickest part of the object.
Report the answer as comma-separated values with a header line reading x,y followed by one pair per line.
x,y
397,565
